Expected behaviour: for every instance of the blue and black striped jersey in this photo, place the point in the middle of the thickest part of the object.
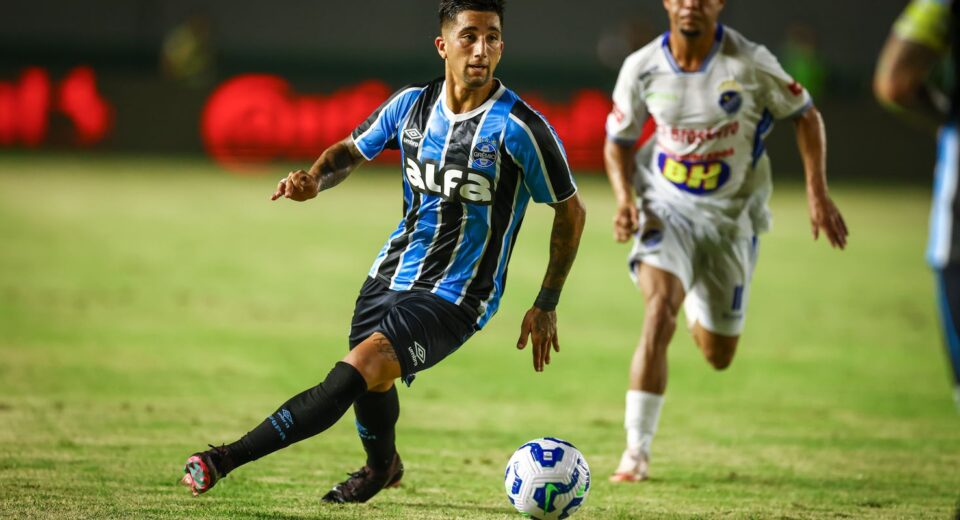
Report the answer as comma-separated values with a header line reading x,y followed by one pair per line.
x,y
467,180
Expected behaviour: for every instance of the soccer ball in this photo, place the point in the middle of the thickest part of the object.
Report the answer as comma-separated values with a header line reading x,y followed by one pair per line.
x,y
547,479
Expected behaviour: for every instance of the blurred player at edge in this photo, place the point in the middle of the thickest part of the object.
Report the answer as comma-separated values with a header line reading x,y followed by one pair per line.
x,y
923,35
473,155
702,183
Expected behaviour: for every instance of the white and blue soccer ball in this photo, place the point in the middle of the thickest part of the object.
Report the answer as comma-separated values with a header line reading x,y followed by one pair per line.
x,y
547,479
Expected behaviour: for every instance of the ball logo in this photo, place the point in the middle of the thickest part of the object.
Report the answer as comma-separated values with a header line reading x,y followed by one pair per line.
x,y
698,178
484,154
451,182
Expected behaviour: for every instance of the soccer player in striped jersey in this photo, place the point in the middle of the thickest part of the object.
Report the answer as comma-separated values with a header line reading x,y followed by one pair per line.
x,y
922,37
473,155
702,184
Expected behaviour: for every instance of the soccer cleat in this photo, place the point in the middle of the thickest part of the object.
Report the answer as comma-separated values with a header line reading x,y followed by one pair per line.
x,y
202,470
366,482
634,466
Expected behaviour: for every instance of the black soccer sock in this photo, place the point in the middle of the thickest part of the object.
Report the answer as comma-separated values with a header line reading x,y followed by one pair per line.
x,y
304,415
377,414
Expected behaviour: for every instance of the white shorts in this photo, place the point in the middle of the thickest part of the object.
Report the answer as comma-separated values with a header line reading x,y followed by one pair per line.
x,y
715,272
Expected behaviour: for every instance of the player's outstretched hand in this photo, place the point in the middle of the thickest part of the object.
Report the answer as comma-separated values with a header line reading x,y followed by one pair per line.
x,y
297,185
625,221
825,216
541,327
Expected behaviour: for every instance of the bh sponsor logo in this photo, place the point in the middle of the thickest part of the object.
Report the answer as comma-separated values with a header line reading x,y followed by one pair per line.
x,y
451,182
698,178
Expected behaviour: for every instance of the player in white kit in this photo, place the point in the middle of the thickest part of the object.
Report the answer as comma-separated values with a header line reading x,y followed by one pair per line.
x,y
702,182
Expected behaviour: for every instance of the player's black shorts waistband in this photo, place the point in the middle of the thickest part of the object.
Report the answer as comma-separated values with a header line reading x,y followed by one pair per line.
x,y
422,327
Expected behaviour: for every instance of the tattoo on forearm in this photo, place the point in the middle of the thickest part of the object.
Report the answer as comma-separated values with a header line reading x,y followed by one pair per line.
x,y
564,242
336,163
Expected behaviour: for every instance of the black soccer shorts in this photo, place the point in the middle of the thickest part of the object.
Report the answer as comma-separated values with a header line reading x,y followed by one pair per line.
x,y
422,327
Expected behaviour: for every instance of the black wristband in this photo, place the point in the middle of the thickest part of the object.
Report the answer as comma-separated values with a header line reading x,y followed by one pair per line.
x,y
548,299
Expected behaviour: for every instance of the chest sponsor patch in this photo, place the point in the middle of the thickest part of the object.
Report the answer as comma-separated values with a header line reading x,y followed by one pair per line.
x,y
452,182
699,178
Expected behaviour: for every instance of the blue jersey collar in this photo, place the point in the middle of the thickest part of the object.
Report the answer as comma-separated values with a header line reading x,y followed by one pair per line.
x,y
665,45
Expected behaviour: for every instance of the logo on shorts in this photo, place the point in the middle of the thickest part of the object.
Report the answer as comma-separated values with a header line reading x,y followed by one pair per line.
x,y
651,237
417,353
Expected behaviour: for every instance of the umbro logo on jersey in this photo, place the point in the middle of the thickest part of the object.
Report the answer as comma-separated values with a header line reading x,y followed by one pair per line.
x,y
412,137
418,354
451,182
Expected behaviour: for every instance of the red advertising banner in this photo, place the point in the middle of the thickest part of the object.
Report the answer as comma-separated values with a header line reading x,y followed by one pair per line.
x,y
248,120
27,104
257,118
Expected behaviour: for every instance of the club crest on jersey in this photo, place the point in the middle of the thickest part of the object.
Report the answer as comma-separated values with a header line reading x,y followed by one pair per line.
x,y
699,178
452,182
731,96
484,154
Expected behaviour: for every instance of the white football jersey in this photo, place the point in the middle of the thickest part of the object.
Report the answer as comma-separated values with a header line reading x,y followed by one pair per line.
x,y
706,159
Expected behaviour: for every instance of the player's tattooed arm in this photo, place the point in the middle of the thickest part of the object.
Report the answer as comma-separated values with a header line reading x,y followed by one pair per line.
x,y
568,222
540,322
330,169
336,163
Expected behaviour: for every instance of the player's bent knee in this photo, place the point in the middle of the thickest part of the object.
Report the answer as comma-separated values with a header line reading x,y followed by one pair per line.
x,y
719,350
381,388
376,361
720,360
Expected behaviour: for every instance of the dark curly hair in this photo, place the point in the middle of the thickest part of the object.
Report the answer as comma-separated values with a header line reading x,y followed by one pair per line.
x,y
449,9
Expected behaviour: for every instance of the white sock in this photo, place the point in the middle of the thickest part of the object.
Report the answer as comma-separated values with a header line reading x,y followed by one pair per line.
x,y
640,420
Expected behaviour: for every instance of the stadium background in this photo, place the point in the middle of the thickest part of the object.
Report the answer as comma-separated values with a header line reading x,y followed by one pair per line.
x,y
564,56
153,300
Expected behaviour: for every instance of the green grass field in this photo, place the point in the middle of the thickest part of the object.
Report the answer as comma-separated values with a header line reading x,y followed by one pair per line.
x,y
148,307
